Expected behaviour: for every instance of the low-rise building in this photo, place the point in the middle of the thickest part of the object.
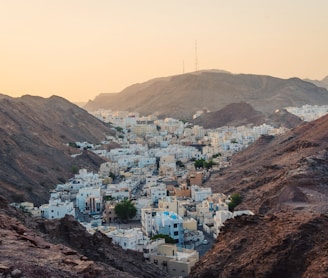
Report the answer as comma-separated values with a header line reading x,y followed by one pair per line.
x,y
57,209
132,239
199,194
109,214
157,192
89,200
176,261
168,223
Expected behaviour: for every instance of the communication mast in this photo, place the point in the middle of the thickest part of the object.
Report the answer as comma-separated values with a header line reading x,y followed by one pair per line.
x,y
196,57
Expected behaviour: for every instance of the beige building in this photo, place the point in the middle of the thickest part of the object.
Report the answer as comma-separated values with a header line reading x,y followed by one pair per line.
x,y
182,191
196,178
190,224
168,203
109,214
176,261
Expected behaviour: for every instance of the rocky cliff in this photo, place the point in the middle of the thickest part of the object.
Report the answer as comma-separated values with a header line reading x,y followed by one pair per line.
x,y
283,180
62,248
34,155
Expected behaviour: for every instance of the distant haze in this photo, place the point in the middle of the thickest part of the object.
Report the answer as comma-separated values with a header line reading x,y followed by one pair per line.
x,y
78,49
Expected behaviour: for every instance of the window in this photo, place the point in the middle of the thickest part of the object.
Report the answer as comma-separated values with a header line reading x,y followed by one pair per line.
x,y
175,225
176,233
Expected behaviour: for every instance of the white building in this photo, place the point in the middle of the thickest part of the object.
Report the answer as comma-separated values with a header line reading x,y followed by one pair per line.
x,y
223,215
89,196
146,220
157,192
57,209
132,239
199,194
168,223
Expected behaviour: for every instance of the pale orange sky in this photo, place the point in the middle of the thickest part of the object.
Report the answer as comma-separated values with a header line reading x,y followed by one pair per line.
x,y
78,49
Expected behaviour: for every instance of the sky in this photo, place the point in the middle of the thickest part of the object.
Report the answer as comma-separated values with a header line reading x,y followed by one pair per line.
x,y
78,49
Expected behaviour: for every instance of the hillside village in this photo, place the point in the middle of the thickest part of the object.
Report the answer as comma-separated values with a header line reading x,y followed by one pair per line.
x,y
156,167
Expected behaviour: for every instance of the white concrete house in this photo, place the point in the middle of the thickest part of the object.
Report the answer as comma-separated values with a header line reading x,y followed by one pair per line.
x,y
146,220
168,223
223,215
157,192
132,239
199,194
57,209
83,196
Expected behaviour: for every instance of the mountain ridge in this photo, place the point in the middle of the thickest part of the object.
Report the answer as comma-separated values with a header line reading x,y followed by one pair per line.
x,y
35,132
183,95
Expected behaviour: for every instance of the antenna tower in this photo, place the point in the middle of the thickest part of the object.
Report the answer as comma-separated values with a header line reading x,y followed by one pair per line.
x,y
196,57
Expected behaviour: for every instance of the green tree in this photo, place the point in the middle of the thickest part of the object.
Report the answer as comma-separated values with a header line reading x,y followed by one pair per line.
x,y
179,163
108,198
119,129
125,210
75,169
73,145
201,163
235,201
217,155
167,238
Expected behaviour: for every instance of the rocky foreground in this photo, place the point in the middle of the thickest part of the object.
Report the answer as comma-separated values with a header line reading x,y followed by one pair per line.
x,y
62,248
276,245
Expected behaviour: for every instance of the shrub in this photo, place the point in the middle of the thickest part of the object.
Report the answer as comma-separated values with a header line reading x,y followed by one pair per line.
x,y
235,201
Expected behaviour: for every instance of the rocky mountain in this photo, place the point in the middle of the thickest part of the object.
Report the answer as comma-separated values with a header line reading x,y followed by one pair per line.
x,y
283,180
320,83
242,113
34,153
227,116
62,248
181,96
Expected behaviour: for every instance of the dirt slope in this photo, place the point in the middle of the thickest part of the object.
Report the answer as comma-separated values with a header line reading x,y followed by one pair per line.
x,y
283,180
33,152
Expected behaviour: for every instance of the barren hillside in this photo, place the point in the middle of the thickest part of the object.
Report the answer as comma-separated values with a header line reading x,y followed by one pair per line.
x,y
182,95
283,180
34,156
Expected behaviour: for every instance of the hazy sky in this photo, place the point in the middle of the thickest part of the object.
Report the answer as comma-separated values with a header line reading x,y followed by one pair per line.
x,y
80,48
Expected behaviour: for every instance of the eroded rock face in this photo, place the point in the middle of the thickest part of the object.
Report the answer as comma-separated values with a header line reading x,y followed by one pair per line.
x,y
276,245
283,180
98,247
34,133
66,250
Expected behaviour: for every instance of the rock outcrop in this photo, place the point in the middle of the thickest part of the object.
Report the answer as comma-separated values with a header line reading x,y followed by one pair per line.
x,y
34,135
283,180
235,114
62,248
276,245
